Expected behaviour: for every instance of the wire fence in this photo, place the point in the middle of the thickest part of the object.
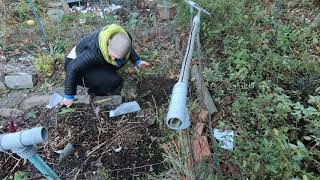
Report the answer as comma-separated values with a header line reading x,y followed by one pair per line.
x,y
98,13
66,21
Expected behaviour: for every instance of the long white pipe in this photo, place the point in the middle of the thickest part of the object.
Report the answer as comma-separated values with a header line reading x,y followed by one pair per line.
x,y
177,117
185,69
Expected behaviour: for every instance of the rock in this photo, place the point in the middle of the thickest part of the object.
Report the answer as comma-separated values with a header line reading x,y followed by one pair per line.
x,y
26,58
2,86
1,76
10,112
54,5
2,58
18,80
151,120
82,99
65,7
12,99
71,1
55,14
114,100
82,90
316,23
34,101
118,2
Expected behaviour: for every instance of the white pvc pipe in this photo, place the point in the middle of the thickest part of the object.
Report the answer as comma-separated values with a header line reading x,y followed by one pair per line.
x,y
185,69
22,139
177,117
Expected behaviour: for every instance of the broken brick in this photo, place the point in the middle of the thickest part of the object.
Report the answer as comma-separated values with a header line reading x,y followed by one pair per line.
x,y
205,147
199,129
196,148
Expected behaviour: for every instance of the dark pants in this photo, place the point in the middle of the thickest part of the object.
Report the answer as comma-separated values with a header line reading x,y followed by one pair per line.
x,y
100,80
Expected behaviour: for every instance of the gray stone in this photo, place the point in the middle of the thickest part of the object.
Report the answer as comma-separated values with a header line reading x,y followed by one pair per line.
x,y
2,86
151,120
55,14
18,80
2,58
72,1
114,100
1,76
54,5
34,101
82,90
118,2
10,112
12,99
316,23
26,58
82,99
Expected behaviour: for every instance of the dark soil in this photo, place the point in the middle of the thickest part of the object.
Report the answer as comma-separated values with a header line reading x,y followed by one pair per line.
x,y
95,138
157,88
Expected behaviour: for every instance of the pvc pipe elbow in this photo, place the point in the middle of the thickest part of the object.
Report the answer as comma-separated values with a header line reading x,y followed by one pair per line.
x,y
23,138
26,152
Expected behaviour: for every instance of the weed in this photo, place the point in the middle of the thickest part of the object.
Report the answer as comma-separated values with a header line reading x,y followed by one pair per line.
x,y
45,63
21,11
103,174
20,175
67,110
267,63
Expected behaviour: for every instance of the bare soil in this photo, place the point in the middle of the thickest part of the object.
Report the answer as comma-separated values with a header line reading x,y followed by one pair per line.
x,y
96,138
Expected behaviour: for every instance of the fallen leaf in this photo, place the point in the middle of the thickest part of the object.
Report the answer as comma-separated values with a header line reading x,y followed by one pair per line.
x,y
199,116
16,52
166,44
227,100
195,62
292,135
12,127
318,48
165,147
217,115
178,61
138,50
175,145
28,40
234,170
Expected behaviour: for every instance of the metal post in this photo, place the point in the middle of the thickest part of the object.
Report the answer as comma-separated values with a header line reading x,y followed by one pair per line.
x,y
35,13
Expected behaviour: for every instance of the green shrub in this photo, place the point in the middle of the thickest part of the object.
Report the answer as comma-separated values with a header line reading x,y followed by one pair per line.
x,y
270,65
45,63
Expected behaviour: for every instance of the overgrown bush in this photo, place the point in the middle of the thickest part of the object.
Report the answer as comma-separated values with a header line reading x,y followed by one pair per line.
x,y
45,63
270,66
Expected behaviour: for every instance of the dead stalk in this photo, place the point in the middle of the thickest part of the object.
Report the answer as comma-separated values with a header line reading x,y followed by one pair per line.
x,y
155,106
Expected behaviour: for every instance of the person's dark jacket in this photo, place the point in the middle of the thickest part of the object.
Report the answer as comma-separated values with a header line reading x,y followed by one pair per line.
x,y
88,55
